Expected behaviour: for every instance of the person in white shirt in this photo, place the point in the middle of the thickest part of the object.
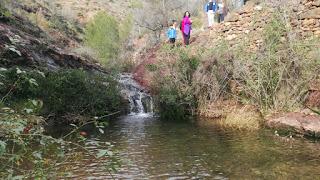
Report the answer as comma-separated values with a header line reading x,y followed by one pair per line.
x,y
211,9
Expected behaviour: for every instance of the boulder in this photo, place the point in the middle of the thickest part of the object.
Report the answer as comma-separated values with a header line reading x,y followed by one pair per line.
x,y
300,123
232,17
316,3
309,22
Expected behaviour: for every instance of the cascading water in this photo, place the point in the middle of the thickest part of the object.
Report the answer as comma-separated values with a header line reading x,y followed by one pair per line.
x,y
140,101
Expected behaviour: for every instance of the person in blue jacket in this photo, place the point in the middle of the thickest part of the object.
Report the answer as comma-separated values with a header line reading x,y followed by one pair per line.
x,y
211,9
172,32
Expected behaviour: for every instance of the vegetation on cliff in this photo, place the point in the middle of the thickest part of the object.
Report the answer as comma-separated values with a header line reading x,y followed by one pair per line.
x,y
276,77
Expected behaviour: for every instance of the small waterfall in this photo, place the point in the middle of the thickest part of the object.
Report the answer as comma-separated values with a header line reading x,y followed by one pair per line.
x,y
139,99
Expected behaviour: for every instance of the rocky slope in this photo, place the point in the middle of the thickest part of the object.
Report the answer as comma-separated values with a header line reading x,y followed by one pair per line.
x,y
245,27
33,35
247,24
23,44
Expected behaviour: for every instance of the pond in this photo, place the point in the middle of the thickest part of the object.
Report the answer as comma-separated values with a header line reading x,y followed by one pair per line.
x,y
152,149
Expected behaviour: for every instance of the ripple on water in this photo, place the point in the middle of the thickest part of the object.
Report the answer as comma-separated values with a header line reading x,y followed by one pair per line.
x,y
151,149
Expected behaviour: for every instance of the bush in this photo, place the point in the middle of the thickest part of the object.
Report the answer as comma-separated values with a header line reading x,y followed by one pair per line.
x,y
27,152
79,92
30,154
174,91
4,12
62,92
277,78
102,35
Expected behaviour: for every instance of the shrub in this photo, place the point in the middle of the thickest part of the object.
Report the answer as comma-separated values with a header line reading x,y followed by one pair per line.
x,y
277,78
30,154
102,35
27,152
174,90
4,12
213,76
62,92
79,92
39,20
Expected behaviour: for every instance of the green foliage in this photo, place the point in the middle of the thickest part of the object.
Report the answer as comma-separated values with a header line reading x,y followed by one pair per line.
x,y
171,104
102,35
58,22
275,78
61,92
79,92
174,92
278,76
4,12
17,85
125,28
151,67
25,149
29,154
136,4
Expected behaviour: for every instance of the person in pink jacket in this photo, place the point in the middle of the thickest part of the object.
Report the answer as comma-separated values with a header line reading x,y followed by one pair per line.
x,y
186,28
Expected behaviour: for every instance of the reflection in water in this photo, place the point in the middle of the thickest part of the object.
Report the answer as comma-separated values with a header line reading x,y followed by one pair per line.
x,y
151,149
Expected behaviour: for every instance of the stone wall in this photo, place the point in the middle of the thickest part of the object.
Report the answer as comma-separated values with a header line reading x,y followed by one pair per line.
x,y
247,23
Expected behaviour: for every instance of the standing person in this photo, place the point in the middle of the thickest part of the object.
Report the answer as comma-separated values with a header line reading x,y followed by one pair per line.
x,y
211,9
221,10
172,32
186,28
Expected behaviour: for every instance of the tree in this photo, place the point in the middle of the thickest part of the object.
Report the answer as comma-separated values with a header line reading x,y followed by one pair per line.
x,y
102,35
155,15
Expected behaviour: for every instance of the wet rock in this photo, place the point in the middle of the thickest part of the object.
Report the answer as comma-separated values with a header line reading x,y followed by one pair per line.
x,y
300,123
147,103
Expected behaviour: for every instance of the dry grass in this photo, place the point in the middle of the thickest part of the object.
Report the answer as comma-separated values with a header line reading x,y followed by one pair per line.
x,y
245,118
230,114
39,20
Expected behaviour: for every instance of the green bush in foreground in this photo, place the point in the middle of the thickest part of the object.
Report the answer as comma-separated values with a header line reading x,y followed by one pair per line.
x,y
26,151
61,92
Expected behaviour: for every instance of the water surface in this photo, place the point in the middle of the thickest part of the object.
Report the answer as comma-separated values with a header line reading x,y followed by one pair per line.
x,y
151,149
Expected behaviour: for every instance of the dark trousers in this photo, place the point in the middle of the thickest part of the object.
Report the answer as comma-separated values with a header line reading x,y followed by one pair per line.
x,y
220,18
172,40
186,39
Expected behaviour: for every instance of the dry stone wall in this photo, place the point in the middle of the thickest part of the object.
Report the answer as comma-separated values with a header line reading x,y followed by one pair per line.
x,y
247,24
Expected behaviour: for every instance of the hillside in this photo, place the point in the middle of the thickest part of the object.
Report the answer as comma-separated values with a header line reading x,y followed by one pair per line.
x,y
36,44
245,27
92,89
264,58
